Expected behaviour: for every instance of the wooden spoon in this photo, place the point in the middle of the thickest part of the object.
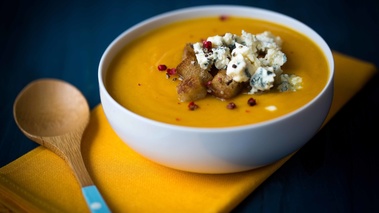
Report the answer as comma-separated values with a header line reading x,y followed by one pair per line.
x,y
55,114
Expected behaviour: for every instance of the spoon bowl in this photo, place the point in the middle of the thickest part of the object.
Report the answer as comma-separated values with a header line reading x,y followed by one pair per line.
x,y
47,108
54,114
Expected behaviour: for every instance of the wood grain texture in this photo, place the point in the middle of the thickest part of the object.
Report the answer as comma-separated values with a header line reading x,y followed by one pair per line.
x,y
55,114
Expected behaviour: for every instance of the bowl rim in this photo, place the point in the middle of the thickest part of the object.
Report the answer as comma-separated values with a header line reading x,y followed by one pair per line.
x,y
213,10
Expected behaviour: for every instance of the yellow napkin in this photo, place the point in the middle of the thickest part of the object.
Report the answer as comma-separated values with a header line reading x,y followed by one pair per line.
x,y
40,181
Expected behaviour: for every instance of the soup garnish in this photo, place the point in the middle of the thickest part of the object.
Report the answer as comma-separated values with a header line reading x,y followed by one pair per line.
x,y
228,65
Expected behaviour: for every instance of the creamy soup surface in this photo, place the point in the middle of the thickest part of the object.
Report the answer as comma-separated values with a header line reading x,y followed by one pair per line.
x,y
134,81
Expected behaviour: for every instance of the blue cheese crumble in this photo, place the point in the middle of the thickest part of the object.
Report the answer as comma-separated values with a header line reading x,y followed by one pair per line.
x,y
256,59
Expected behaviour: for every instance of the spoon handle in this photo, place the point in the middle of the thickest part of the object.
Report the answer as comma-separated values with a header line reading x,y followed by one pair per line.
x,y
94,199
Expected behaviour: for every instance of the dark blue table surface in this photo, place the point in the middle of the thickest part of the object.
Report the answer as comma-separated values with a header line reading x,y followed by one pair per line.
x,y
337,171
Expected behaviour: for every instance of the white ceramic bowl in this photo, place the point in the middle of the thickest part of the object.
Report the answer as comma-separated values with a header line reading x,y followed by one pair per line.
x,y
215,150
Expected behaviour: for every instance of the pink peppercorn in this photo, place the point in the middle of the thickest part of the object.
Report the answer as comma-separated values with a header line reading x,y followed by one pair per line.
x,y
162,67
192,106
171,71
207,45
251,102
231,105
223,17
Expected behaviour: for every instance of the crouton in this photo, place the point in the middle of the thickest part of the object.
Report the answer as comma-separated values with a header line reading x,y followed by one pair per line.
x,y
224,87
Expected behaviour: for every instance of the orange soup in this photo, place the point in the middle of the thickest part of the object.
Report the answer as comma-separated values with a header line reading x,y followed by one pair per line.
x,y
134,80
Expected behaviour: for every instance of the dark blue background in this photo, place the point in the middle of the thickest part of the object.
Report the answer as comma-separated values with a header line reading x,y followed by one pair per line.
x,y
337,171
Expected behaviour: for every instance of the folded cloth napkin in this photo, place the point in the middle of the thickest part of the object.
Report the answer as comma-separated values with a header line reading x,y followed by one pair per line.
x,y
40,181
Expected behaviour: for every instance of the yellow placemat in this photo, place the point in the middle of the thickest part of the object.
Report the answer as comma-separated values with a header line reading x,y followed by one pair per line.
x,y
40,181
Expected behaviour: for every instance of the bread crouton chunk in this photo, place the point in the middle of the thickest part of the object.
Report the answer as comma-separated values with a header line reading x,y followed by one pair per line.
x,y
223,86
